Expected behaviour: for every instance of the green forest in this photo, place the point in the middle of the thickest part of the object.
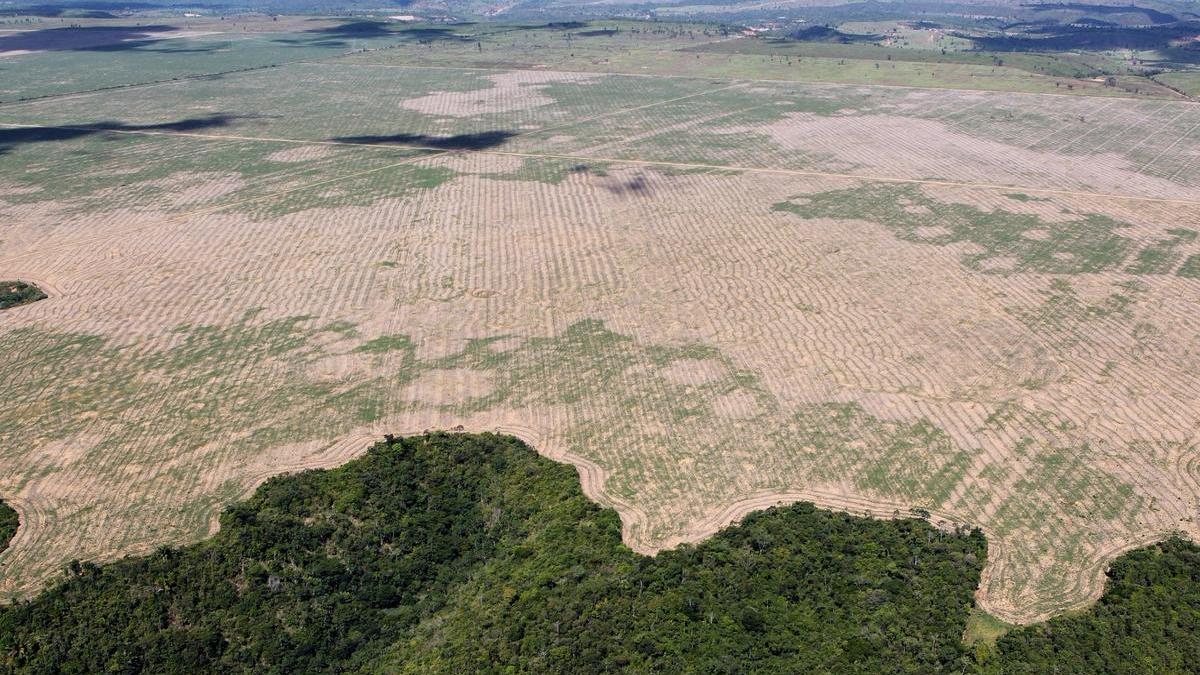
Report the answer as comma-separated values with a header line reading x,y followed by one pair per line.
x,y
459,553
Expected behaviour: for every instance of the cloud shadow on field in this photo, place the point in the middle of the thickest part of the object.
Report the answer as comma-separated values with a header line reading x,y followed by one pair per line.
x,y
87,39
637,186
477,141
341,34
831,35
82,9
1063,38
12,137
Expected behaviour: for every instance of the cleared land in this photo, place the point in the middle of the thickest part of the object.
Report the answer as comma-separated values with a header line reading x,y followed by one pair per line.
x,y
708,294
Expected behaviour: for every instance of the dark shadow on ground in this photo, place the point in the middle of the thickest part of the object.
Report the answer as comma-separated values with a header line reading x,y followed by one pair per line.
x,y
86,38
1174,57
78,10
339,35
637,186
827,34
1153,15
164,47
479,141
11,137
1063,38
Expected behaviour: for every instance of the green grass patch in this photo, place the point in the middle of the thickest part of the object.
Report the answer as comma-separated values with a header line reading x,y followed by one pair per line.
x,y
1190,269
1008,242
983,630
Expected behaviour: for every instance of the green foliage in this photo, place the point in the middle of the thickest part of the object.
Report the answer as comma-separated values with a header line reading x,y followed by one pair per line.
x,y
456,553
918,461
1022,197
1148,621
387,343
1190,269
9,521
1007,242
982,631
15,293
1160,257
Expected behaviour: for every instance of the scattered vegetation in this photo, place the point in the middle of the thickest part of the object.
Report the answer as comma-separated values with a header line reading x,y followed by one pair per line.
x,y
16,293
1007,242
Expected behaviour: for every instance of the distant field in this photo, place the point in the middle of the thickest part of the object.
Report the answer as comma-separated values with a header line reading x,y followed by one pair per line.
x,y
708,293
677,54
1184,81
65,60
53,59
1061,65
1087,144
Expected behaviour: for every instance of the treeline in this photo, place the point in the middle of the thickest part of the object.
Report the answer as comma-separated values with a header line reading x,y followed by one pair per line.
x,y
9,521
471,553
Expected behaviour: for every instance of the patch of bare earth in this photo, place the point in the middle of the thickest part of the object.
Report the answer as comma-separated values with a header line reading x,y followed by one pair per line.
x,y
518,90
186,189
694,371
301,153
448,387
896,146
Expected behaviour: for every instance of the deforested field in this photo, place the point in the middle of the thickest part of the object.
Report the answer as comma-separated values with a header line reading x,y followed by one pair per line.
x,y
709,294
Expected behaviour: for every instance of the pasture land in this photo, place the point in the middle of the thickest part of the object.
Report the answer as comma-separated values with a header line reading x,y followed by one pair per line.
x,y
54,59
708,294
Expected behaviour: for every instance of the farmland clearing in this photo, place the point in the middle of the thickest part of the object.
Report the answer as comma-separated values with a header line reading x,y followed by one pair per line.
x,y
709,293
